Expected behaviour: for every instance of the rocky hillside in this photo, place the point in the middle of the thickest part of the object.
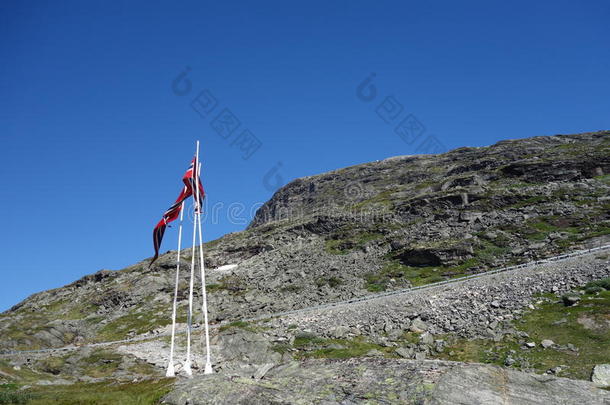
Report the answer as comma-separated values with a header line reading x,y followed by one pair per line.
x,y
403,221
354,232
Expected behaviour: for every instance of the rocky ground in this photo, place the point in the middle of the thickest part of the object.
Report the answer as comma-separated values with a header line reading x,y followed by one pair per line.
x,y
385,381
411,325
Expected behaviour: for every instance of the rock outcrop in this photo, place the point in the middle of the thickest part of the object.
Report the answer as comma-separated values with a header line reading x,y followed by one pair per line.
x,y
385,381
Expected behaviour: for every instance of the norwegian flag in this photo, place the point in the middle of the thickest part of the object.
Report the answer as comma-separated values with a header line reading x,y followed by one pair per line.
x,y
173,212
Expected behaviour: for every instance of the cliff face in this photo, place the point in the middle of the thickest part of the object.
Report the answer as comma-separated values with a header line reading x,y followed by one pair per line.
x,y
377,226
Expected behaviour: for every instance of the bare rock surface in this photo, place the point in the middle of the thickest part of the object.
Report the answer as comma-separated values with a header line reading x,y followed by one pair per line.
x,y
385,381
478,384
601,375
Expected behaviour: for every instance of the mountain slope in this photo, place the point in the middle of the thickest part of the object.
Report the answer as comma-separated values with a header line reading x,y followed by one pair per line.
x,y
377,226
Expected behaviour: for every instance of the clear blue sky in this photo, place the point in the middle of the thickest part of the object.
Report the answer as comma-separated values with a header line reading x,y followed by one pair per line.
x,y
95,139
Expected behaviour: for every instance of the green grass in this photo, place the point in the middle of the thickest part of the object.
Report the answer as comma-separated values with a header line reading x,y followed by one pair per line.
x,y
251,327
414,275
541,227
316,347
10,394
489,252
425,184
332,281
140,322
603,283
382,200
311,346
281,348
604,179
291,288
25,375
214,287
539,199
109,393
336,247
551,320
53,365
101,363
236,324
343,242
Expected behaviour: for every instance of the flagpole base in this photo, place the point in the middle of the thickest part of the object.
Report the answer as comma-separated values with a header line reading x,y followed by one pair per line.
x,y
208,369
187,369
170,370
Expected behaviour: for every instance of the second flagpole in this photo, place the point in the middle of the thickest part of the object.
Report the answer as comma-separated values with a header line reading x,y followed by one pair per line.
x,y
204,305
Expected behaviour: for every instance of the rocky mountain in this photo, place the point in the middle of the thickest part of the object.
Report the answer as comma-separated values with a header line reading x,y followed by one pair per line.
x,y
380,226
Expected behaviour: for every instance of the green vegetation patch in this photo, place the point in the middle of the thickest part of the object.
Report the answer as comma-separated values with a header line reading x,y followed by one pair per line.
x,y
214,287
540,228
604,179
538,199
382,200
108,393
139,322
309,346
53,365
396,274
344,241
101,363
488,252
585,325
24,375
332,281
10,394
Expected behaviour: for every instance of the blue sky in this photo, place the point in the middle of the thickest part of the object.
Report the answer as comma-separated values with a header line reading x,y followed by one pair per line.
x,y
96,135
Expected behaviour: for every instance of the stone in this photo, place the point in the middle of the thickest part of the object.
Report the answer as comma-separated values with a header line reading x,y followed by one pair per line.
x,y
395,334
405,352
495,304
546,343
374,353
493,385
569,300
400,381
426,338
418,326
340,332
262,370
530,345
601,375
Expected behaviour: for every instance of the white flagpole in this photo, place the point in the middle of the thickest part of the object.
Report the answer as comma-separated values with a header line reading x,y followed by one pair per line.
x,y
187,364
170,367
204,307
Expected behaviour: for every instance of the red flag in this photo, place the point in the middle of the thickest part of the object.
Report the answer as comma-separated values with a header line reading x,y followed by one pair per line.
x,y
174,211
189,182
